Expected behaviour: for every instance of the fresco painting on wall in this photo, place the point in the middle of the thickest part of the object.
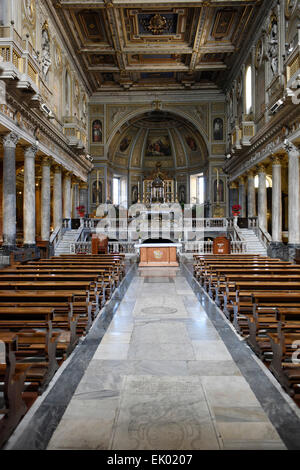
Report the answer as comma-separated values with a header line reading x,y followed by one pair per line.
x,y
218,129
125,144
158,146
97,131
134,194
191,143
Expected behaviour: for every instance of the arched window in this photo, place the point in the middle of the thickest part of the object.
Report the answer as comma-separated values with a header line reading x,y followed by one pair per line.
x,y
248,89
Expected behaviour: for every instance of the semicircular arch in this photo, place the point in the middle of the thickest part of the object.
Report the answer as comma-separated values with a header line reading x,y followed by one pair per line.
x,y
141,111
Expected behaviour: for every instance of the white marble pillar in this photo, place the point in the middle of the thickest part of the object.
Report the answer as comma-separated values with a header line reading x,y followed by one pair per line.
x,y
294,197
67,195
9,189
57,197
262,198
75,198
242,196
276,201
251,195
45,199
29,196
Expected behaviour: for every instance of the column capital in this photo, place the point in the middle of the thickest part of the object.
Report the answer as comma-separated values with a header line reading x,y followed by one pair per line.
x,y
241,179
83,185
57,168
251,172
261,168
30,152
67,173
46,160
10,140
276,159
75,180
290,147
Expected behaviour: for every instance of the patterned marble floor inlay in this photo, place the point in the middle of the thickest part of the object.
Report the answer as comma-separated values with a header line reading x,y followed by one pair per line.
x,y
162,378
158,310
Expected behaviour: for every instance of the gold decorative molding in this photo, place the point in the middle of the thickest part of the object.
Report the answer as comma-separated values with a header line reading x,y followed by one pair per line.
x,y
261,168
251,172
276,159
290,6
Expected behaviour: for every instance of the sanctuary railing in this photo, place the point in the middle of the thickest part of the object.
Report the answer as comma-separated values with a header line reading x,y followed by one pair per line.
x,y
113,247
206,247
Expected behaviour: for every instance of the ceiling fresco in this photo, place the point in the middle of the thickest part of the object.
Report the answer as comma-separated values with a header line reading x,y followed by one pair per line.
x,y
139,45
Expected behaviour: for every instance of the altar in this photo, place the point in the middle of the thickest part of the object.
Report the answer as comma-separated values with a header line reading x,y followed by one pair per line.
x,y
158,187
158,254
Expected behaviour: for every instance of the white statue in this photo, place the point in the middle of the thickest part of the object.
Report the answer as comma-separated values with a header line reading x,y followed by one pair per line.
x,y
273,48
45,57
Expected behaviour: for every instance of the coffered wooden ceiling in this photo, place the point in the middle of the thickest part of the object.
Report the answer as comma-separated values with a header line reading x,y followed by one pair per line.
x,y
162,45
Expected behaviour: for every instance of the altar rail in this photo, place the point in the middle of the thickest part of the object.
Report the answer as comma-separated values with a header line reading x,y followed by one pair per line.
x,y
113,247
202,247
206,247
200,223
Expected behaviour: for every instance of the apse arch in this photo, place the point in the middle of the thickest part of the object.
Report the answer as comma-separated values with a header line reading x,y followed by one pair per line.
x,y
182,139
142,111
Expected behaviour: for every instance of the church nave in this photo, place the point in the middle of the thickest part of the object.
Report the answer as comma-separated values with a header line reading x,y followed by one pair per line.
x,y
168,373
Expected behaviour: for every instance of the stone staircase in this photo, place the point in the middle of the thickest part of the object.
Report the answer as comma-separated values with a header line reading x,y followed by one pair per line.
x,y
254,245
63,246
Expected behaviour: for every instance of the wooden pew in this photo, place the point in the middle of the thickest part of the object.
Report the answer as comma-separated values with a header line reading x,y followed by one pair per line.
x,y
285,344
12,378
35,320
262,298
41,302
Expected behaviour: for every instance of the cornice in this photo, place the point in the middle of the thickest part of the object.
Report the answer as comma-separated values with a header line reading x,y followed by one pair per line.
x,y
47,128
263,143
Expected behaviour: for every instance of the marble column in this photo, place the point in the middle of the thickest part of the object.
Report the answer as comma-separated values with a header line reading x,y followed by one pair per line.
x,y
9,190
29,196
75,198
67,195
83,196
262,198
57,197
294,198
276,201
242,196
45,199
251,195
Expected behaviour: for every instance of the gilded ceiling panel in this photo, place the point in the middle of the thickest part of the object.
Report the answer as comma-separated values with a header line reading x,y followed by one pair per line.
x,y
90,25
146,46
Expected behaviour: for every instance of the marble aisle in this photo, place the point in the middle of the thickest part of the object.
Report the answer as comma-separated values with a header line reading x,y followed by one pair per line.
x,y
162,378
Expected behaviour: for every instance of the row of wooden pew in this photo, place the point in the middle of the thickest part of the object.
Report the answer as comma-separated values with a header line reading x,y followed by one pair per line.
x,y
45,307
261,297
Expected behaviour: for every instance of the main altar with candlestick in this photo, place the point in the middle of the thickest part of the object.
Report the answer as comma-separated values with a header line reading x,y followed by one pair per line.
x,y
159,187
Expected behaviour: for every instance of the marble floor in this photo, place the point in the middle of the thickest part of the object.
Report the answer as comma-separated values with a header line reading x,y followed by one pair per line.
x,y
162,377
